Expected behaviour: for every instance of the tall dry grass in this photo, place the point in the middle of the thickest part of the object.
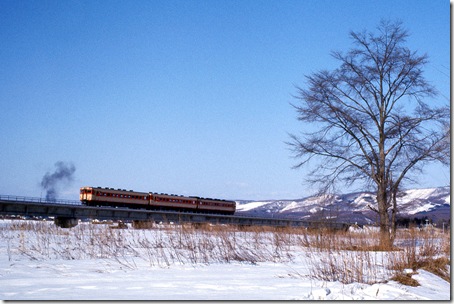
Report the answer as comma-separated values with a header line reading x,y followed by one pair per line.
x,y
427,249
345,256
356,256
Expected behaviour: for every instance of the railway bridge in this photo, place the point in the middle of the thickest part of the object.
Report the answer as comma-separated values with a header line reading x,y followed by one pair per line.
x,y
67,214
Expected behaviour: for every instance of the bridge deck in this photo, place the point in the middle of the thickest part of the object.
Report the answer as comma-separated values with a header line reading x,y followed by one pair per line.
x,y
21,206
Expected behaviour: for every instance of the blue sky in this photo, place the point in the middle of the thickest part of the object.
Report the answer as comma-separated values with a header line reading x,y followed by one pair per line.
x,y
184,97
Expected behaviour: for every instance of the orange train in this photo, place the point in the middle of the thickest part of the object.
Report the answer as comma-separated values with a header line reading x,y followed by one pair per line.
x,y
97,196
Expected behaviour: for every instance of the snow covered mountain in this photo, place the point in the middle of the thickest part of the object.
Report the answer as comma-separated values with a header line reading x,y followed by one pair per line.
x,y
432,203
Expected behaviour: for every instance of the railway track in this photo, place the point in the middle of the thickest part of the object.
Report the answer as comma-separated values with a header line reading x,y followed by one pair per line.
x,y
67,214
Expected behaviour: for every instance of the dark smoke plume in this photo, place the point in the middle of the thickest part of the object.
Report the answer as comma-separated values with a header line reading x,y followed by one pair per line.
x,y
62,176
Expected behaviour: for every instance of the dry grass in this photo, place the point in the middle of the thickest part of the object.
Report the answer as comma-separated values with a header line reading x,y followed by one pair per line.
x,y
405,279
426,249
333,255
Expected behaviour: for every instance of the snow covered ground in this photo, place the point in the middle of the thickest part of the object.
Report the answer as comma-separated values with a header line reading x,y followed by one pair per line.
x,y
52,267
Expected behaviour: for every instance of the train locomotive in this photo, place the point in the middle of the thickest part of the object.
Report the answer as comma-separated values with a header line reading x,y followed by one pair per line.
x,y
97,196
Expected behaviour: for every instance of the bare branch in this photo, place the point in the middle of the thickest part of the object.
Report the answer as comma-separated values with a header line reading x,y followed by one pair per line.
x,y
373,123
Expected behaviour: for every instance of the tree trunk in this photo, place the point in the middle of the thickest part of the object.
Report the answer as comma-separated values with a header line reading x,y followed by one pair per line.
x,y
382,200
393,215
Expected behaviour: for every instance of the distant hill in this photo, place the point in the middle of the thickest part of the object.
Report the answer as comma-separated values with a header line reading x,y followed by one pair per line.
x,y
433,203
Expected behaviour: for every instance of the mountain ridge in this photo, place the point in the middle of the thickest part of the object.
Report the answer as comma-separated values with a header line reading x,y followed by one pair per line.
x,y
430,203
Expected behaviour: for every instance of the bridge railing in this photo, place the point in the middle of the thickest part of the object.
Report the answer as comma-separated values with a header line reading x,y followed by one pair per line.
x,y
15,198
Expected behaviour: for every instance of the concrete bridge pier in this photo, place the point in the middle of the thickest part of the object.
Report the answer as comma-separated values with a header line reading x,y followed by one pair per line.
x,y
66,222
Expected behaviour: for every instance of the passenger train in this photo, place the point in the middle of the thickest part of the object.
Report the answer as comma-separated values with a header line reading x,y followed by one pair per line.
x,y
97,196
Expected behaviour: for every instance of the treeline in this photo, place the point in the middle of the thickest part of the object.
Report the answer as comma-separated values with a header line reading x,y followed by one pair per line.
x,y
421,222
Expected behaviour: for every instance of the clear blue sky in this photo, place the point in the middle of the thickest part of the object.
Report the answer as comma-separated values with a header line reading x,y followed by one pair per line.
x,y
185,97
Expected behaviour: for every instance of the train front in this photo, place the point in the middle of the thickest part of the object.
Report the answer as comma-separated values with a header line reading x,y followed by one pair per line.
x,y
86,194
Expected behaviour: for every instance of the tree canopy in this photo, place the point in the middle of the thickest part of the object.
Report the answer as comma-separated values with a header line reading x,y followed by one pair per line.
x,y
376,118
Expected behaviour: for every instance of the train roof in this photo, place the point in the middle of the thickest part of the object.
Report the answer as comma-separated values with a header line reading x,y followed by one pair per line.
x,y
156,193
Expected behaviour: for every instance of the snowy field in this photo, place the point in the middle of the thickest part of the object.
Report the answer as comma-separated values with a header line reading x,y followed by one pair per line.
x,y
40,261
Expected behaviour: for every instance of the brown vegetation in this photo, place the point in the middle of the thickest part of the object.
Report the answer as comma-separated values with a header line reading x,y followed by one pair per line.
x,y
345,256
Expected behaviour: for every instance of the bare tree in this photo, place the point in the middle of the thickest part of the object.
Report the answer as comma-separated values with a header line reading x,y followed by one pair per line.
x,y
370,120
